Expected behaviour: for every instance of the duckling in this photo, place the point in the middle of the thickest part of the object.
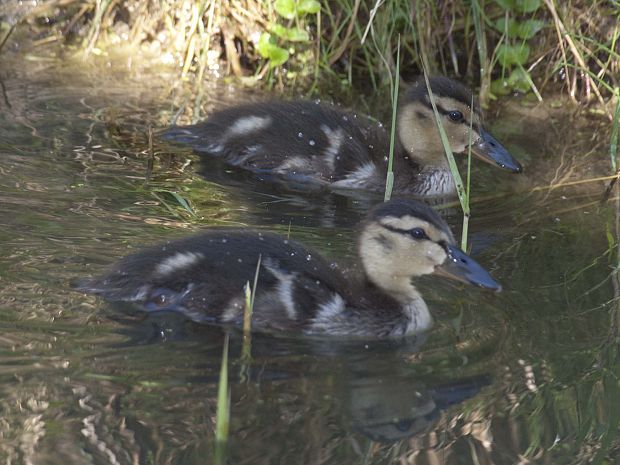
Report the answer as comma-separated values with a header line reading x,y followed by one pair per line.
x,y
203,277
319,143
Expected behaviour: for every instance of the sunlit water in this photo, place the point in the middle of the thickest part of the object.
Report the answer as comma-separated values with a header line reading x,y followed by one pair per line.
x,y
527,376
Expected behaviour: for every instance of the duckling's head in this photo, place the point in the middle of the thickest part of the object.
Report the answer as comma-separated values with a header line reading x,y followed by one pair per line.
x,y
417,128
402,239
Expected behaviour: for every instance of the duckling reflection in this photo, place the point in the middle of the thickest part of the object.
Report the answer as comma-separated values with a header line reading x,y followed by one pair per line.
x,y
310,142
394,407
203,277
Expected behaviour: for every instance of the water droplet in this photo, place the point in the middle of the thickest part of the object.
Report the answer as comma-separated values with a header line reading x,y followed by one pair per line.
x,y
345,118
308,257
224,241
300,134
311,142
370,146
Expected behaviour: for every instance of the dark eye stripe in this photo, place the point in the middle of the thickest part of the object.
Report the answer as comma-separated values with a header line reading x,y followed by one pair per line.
x,y
416,233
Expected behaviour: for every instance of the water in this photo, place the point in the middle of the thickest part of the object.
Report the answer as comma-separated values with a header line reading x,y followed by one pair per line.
x,y
528,376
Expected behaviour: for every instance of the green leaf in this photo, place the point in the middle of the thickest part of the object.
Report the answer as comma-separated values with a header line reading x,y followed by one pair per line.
x,y
286,8
308,6
268,49
513,54
507,4
511,31
295,34
265,43
518,80
526,6
529,28
500,87
278,30
278,56
519,29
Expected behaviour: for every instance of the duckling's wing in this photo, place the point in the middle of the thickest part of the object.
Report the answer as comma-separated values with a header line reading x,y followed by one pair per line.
x,y
203,277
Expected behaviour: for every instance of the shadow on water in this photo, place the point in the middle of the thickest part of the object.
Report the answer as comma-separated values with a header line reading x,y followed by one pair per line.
x,y
528,376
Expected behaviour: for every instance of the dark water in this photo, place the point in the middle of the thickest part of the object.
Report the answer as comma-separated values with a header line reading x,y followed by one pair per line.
x,y
528,376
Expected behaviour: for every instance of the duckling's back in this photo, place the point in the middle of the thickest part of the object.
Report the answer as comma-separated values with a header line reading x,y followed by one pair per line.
x,y
302,140
203,277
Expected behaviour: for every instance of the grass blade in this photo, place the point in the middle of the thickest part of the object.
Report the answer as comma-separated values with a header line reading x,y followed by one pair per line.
x,y
613,144
458,181
222,419
389,181
250,295
466,214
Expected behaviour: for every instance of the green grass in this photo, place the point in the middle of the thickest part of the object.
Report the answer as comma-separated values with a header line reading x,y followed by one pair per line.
x,y
389,181
613,144
248,310
349,46
222,419
463,194
466,211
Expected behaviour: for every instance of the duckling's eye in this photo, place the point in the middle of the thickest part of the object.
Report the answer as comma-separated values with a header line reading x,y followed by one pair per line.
x,y
418,233
455,115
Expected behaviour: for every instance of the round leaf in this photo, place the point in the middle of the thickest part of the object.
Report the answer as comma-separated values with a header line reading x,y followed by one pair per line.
x,y
513,54
285,8
518,80
528,29
308,6
512,30
295,34
527,6
277,56
279,30
507,4
264,44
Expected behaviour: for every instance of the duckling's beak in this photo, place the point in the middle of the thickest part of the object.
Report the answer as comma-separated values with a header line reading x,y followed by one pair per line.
x,y
491,151
462,267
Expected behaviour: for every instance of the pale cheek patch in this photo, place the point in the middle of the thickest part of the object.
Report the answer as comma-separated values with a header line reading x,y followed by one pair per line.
x,y
178,262
436,255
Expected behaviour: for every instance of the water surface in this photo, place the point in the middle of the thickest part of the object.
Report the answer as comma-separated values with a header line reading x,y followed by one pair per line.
x,y
528,376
